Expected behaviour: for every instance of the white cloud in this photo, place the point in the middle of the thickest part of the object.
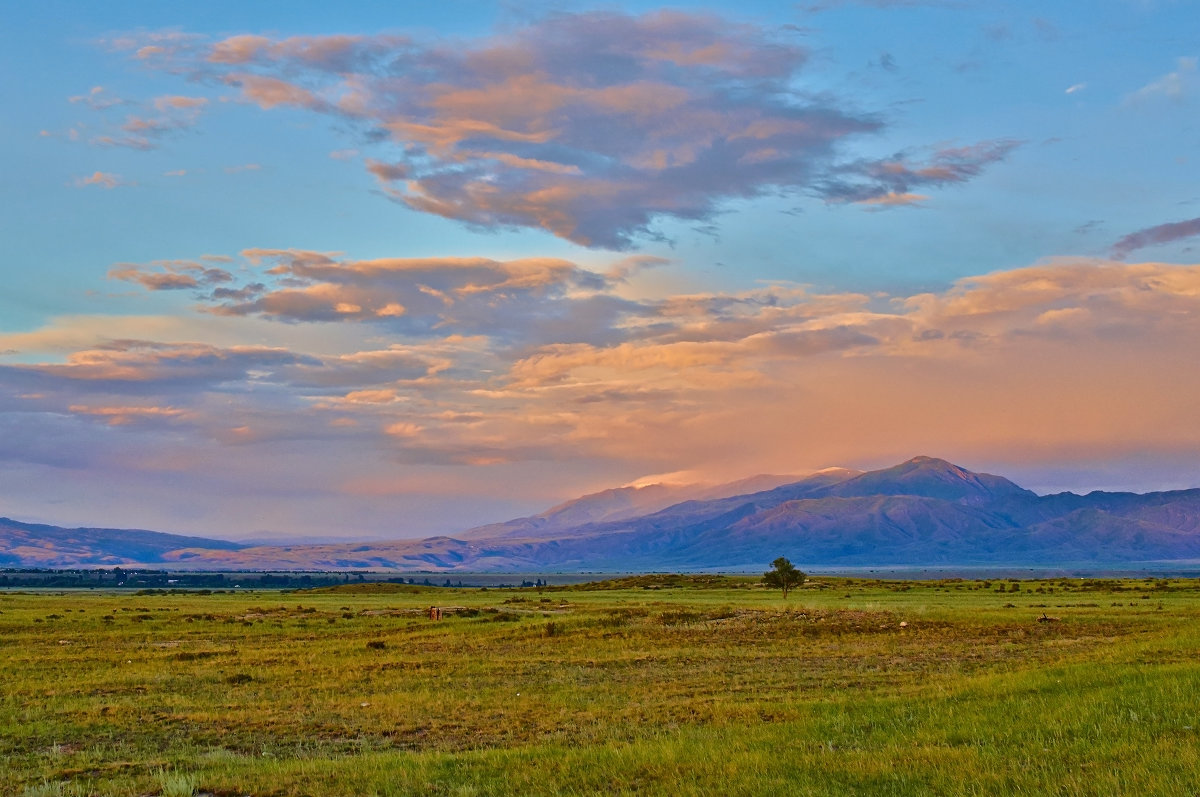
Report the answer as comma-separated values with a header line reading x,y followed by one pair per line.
x,y
1174,86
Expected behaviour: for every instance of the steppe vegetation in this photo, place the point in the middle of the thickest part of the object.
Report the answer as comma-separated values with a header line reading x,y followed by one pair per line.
x,y
655,685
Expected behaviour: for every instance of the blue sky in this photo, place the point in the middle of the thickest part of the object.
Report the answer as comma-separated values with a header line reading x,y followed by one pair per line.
x,y
636,221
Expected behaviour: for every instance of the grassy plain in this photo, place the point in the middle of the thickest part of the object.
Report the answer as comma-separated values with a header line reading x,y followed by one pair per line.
x,y
655,686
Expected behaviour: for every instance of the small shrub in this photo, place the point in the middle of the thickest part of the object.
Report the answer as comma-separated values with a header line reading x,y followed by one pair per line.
x,y
620,617
195,655
505,617
678,617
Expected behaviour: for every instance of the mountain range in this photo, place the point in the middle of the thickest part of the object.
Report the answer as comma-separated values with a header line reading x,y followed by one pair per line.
x,y
923,512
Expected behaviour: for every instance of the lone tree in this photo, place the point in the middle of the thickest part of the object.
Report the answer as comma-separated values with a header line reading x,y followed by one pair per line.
x,y
785,576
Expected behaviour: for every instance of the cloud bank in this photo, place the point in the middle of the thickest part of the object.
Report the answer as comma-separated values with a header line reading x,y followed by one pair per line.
x,y
477,374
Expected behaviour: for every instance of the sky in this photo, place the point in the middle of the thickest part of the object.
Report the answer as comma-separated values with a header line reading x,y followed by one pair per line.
x,y
388,270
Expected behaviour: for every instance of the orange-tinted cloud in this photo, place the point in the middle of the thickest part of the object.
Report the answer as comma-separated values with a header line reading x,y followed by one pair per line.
x,y
167,275
123,416
179,102
269,92
537,297
893,199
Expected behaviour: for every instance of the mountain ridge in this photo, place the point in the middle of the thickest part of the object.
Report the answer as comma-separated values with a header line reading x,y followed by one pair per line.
x,y
924,511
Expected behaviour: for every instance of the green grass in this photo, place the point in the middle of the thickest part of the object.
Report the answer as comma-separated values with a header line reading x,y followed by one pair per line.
x,y
652,685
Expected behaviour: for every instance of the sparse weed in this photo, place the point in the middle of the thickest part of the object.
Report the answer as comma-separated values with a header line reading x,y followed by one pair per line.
x,y
54,789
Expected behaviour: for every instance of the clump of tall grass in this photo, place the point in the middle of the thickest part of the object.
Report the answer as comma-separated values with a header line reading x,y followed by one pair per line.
x,y
178,784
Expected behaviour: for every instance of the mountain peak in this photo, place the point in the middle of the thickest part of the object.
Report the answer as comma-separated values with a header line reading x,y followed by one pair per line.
x,y
933,478
935,465
932,462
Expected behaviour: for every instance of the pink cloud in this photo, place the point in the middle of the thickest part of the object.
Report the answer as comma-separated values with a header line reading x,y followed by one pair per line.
x,y
102,180
179,102
592,126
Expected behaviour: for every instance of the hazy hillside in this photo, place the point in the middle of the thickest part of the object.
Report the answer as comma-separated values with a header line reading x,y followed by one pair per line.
x,y
619,503
36,545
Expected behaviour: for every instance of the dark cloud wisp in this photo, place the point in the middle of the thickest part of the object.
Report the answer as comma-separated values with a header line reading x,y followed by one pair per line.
x,y
1155,236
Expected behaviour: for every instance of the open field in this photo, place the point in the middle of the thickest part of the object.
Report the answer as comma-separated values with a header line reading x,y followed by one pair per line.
x,y
697,685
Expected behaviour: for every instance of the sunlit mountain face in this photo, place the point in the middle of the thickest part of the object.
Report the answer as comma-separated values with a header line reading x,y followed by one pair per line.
x,y
382,274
